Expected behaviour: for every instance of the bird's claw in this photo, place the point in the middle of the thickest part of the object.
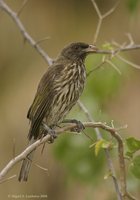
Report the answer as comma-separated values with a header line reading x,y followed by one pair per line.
x,y
48,131
53,135
79,126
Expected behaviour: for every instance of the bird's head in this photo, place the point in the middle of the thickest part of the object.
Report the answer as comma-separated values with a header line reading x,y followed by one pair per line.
x,y
78,50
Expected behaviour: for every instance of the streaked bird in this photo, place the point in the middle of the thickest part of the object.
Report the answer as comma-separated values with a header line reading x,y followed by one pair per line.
x,y
58,91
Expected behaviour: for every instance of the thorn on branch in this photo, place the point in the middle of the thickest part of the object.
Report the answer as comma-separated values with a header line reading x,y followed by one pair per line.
x,y
42,40
22,7
7,179
40,167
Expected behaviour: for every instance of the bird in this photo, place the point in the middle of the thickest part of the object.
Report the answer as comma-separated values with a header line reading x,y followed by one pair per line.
x,y
58,91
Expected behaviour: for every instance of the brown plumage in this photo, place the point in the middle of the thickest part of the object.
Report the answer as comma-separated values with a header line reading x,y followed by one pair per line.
x,y
58,91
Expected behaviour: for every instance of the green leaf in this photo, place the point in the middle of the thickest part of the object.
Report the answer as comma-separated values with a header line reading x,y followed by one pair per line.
x,y
98,146
107,46
133,144
135,167
101,144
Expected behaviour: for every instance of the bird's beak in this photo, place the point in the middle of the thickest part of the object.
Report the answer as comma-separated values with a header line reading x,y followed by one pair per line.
x,y
91,49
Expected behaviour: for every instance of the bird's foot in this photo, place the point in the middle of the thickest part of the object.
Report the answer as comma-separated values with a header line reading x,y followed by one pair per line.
x,y
79,126
51,132
53,135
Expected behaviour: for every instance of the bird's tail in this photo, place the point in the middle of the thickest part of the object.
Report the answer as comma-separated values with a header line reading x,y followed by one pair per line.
x,y
26,164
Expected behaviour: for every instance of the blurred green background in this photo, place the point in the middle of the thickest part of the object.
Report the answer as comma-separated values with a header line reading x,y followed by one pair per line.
x,y
74,172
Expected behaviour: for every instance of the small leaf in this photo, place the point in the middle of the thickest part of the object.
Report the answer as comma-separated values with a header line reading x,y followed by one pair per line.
x,y
108,46
135,167
104,144
133,144
98,146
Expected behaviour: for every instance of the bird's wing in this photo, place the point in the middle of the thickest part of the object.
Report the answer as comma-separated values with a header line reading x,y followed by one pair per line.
x,y
43,99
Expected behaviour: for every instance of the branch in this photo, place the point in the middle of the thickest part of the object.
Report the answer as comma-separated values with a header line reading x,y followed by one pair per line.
x,y
114,66
23,31
96,67
7,179
45,139
111,130
114,132
123,48
107,153
101,18
128,62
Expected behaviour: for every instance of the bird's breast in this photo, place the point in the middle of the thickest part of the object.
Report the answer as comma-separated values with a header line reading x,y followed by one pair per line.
x,y
68,89
72,84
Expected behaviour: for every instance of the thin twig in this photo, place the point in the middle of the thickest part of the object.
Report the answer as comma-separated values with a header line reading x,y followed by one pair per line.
x,y
128,48
22,7
88,136
129,196
131,41
7,179
107,60
111,10
121,162
40,167
119,49
116,44
128,62
42,40
95,68
107,153
101,18
114,67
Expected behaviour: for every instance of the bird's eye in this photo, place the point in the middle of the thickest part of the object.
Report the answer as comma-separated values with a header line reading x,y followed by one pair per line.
x,y
76,47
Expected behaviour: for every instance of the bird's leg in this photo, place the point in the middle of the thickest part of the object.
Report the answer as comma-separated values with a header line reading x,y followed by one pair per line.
x,y
50,131
79,126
